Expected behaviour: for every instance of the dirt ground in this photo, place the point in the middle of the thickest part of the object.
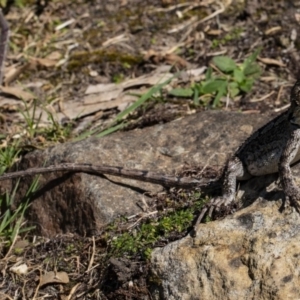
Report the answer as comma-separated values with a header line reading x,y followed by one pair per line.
x,y
103,42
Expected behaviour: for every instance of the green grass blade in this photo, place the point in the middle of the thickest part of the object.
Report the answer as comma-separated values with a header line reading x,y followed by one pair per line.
x,y
111,130
143,99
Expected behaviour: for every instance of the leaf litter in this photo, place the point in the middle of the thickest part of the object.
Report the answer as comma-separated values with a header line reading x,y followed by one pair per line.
x,y
88,63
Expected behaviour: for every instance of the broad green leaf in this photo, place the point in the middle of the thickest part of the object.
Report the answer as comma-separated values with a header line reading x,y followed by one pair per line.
x,y
234,92
196,97
233,89
252,70
181,92
233,84
250,60
224,63
238,75
208,74
213,86
247,85
221,92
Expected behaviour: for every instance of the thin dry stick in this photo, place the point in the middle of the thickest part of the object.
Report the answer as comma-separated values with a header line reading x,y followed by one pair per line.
x,y
147,176
3,43
93,255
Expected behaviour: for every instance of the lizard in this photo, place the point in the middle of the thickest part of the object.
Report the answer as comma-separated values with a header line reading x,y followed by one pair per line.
x,y
270,149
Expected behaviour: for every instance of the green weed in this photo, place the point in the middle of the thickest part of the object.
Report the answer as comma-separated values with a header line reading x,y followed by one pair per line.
x,y
12,221
230,80
8,156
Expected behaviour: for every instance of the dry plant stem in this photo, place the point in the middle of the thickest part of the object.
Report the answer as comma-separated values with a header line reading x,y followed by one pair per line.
x,y
147,176
3,43
93,255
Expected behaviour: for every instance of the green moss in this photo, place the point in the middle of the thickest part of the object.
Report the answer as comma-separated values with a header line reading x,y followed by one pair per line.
x,y
144,238
18,251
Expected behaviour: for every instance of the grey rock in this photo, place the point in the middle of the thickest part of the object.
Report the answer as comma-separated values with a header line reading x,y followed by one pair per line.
x,y
82,203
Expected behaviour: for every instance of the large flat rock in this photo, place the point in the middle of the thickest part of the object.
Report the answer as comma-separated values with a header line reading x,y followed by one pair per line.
x,y
83,203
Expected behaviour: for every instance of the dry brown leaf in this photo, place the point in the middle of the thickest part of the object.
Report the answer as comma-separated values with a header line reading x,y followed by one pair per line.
x,y
273,30
56,55
19,269
106,92
17,92
196,72
81,110
103,88
153,79
54,277
13,73
268,78
73,111
169,57
214,32
174,59
102,97
45,62
271,61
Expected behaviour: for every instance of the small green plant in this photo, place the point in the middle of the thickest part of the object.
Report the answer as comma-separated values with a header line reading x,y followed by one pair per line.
x,y
12,221
29,118
143,239
8,156
118,78
54,132
231,79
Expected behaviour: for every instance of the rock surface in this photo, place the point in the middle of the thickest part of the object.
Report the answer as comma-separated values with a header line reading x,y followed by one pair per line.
x,y
82,203
253,254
